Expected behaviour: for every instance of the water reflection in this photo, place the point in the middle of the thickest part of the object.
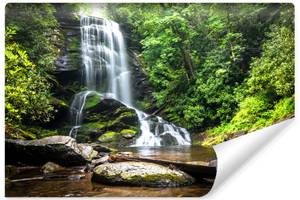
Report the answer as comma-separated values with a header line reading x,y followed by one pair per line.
x,y
175,153
62,186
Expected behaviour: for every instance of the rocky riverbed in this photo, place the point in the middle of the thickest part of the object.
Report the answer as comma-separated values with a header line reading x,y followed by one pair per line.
x,y
59,166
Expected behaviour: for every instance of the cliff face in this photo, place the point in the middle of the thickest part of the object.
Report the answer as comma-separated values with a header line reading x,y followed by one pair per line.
x,y
67,75
69,63
141,88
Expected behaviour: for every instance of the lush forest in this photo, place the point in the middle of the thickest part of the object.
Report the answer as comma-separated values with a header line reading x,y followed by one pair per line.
x,y
33,42
219,70
216,68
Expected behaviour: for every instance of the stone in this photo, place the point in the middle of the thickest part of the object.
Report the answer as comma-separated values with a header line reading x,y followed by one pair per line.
x,y
87,151
109,122
100,161
62,150
140,174
51,167
126,153
101,148
76,177
128,133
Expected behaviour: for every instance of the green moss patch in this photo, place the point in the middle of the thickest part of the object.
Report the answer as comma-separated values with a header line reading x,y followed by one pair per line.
x,y
109,136
94,125
92,100
128,133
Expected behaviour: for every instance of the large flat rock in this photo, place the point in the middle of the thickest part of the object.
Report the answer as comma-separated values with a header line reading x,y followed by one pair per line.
x,y
200,162
140,174
62,150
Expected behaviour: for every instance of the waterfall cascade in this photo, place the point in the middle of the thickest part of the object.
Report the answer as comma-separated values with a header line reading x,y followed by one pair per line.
x,y
106,73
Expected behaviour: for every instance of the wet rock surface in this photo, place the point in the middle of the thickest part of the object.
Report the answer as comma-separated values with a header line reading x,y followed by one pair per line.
x,y
140,174
71,182
51,167
101,148
62,150
109,122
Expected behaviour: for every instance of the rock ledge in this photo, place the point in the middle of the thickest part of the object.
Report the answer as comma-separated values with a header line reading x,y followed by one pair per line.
x,y
140,174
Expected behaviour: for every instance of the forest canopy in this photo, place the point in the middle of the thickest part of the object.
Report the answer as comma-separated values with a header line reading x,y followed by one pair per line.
x,y
215,69
227,66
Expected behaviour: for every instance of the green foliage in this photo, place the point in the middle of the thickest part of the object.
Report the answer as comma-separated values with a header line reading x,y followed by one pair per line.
x,y
268,92
227,66
224,65
284,108
33,42
16,132
274,70
26,90
254,113
37,31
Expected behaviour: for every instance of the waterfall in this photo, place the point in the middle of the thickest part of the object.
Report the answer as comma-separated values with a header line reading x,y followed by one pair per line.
x,y
106,73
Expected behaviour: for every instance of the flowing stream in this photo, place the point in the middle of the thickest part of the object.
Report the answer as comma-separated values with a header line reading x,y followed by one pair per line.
x,y
106,73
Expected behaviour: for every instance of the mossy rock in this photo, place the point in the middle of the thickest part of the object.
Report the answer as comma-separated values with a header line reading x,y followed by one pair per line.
x,y
92,100
118,139
28,132
140,174
108,121
109,137
128,133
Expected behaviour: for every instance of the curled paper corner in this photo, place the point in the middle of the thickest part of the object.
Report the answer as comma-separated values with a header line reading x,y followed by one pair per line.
x,y
233,154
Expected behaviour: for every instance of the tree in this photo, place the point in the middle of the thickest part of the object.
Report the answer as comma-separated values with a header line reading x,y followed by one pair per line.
x,y
37,31
27,91
273,72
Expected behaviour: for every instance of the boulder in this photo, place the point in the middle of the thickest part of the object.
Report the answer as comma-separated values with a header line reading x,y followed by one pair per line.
x,y
101,160
62,150
140,174
109,122
51,167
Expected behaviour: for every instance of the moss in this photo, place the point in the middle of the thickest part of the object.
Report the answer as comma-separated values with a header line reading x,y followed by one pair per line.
x,y
92,101
28,132
124,117
128,133
22,134
109,136
107,115
58,102
47,133
103,148
95,125
156,178
41,132
92,117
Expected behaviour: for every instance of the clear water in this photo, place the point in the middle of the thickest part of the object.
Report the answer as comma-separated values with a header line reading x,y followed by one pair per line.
x,y
60,185
64,187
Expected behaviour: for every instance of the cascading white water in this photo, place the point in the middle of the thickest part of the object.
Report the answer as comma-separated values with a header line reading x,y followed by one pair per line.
x,y
106,73
76,109
157,132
